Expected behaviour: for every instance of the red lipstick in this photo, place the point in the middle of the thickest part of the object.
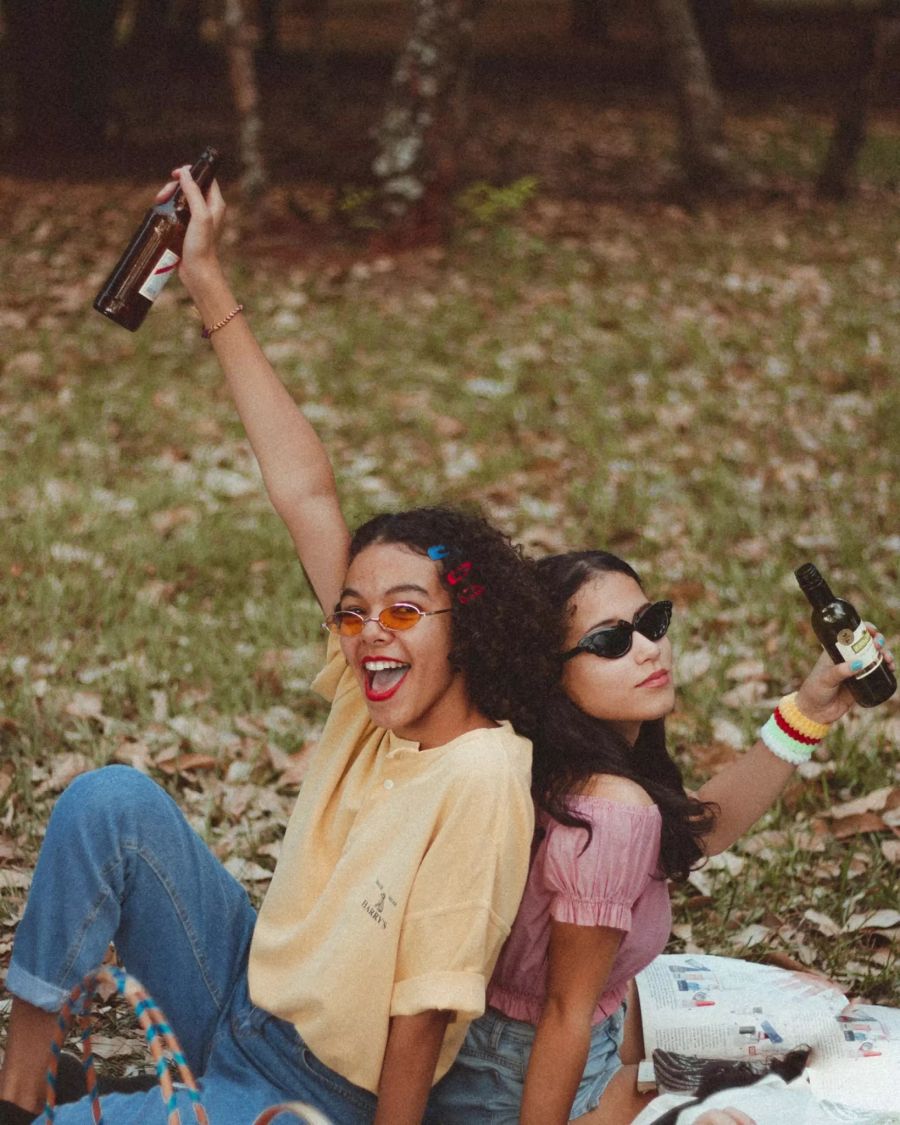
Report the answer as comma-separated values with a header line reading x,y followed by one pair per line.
x,y
658,679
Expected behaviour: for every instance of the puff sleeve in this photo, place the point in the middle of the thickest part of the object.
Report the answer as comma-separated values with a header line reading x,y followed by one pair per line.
x,y
597,883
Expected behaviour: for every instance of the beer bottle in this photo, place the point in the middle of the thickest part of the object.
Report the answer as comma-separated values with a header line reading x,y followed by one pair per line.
x,y
153,253
844,637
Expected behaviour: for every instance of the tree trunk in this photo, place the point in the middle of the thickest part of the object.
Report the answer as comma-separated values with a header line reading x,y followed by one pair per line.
x,y
836,177
703,152
245,91
419,134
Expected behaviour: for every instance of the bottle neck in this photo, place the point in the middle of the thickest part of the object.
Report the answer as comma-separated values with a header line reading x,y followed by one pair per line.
x,y
204,170
819,593
202,173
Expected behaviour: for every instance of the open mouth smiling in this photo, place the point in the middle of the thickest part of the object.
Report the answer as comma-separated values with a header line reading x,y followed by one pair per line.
x,y
383,677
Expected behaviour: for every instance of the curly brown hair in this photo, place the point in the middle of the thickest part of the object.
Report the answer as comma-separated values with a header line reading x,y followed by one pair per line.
x,y
504,633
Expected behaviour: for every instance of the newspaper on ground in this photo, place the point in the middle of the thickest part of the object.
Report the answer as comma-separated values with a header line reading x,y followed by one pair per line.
x,y
699,1007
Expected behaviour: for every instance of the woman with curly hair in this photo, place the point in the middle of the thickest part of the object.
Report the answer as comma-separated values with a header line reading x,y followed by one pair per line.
x,y
614,823
405,857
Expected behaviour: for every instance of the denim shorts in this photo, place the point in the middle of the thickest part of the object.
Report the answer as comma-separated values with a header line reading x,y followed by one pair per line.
x,y
485,1084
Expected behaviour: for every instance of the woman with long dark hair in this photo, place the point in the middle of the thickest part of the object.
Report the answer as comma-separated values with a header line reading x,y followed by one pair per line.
x,y
614,823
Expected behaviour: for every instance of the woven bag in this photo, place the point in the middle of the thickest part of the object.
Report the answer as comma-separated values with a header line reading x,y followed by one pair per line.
x,y
161,1041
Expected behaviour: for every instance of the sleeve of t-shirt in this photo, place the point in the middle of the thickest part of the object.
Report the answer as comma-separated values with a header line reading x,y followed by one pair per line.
x,y
599,884
335,676
465,896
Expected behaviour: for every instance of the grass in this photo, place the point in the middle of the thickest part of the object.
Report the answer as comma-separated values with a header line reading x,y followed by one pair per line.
x,y
713,394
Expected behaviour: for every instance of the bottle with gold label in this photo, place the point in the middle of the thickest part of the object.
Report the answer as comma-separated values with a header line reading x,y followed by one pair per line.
x,y
844,637
153,254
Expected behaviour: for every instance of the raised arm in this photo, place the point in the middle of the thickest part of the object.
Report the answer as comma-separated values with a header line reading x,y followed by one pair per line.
x,y
749,786
295,466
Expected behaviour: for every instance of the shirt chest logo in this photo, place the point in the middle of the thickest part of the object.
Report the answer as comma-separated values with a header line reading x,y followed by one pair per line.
x,y
379,905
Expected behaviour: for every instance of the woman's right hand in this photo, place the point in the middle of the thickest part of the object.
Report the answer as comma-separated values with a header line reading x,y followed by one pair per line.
x,y
824,696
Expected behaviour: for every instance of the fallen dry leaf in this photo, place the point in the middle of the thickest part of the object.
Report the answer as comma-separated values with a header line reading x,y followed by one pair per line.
x,y
744,694
166,521
890,849
822,922
187,763
724,730
746,670
84,705
886,798
66,767
873,920
691,665
857,824
750,935
14,879
247,871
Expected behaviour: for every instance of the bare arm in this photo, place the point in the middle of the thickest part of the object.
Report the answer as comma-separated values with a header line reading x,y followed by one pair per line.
x,y
295,466
581,958
748,787
413,1047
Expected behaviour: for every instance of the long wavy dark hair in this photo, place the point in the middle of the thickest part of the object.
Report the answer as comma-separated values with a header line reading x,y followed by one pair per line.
x,y
503,631
571,746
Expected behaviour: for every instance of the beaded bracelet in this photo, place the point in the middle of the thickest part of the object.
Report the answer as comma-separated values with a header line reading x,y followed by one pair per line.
x,y
207,332
791,735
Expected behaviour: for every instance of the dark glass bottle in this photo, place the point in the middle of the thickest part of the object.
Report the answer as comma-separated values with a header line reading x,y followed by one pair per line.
x,y
153,253
844,637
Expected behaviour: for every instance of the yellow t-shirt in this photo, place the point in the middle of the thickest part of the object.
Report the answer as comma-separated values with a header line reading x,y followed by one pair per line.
x,y
399,879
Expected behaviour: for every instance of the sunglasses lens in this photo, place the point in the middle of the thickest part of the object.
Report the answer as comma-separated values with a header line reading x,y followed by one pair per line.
x,y
615,641
345,622
654,621
399,616
609,643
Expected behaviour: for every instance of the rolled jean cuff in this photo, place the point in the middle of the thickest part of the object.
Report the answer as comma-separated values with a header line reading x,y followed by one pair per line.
x,y
39,993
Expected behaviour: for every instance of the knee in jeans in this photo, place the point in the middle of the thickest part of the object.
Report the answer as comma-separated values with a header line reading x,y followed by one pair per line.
x,y
110,790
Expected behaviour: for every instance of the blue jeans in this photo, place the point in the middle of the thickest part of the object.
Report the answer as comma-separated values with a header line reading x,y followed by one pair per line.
x,y
485,1084
120,863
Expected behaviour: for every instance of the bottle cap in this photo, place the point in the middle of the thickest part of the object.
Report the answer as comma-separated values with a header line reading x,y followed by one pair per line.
x,y
808,576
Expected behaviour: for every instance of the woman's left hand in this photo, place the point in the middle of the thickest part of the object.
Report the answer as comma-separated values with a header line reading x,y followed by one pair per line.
x,y
199,259
824,696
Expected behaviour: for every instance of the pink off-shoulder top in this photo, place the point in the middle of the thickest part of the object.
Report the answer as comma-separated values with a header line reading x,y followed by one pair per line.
x,y
612,882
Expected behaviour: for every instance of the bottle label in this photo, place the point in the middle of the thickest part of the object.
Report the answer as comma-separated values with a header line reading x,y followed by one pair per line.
x,y
159,275
857,644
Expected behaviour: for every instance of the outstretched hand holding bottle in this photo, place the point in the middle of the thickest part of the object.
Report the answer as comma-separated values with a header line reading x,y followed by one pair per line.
x,y
200,269
848,640
294,463
746,788
154,251
827,694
